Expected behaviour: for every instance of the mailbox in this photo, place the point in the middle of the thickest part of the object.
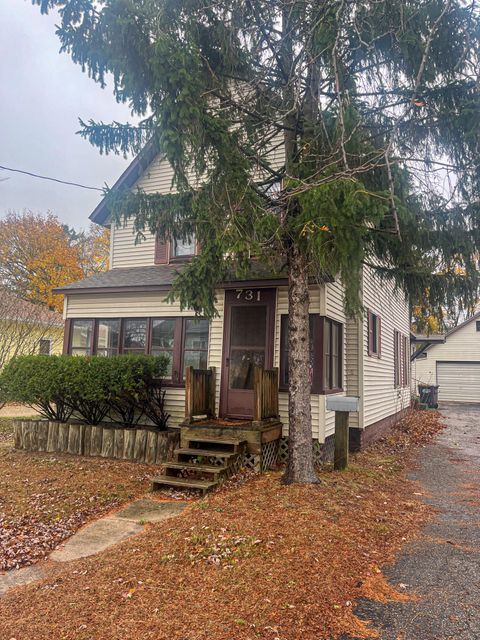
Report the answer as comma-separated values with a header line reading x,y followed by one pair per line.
x,y
342,403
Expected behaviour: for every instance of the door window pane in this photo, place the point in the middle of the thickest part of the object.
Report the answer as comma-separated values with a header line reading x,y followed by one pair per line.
x,y
108,337
163,335
134,336
242,365
82,331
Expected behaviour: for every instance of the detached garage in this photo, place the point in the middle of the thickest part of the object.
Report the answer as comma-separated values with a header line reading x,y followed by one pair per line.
x,y
453,365
458,381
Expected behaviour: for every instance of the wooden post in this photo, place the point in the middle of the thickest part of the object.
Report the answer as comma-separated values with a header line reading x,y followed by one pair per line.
x,y
212,391
188,392
341,440
258,393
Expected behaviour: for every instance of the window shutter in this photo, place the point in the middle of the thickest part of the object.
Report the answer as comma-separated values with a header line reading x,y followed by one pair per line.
x,y
370,333
66,336
161,251
379,336
316,327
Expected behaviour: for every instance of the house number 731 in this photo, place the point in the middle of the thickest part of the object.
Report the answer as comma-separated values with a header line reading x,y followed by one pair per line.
x,y
249,295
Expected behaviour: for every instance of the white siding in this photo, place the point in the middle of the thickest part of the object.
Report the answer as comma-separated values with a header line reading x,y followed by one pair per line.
x,y
125,252
380,397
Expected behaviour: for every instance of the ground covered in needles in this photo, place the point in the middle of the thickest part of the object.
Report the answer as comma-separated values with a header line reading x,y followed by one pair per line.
x,y
45,498
256,560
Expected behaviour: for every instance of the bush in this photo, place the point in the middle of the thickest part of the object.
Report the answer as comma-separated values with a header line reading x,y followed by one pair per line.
x,y
125,388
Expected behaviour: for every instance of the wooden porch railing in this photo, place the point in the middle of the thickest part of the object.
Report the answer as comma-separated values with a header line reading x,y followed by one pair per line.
x,y
265,385
200,392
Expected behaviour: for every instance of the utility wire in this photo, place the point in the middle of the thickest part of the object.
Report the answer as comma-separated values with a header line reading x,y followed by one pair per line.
x,y
35,175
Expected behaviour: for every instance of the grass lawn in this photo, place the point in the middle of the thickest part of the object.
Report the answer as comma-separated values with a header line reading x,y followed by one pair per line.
x,y
45,497
258,560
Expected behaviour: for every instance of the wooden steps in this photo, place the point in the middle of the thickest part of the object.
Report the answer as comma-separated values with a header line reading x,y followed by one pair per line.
x,y
202,464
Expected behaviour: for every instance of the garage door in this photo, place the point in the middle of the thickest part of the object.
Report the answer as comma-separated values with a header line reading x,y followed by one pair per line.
x,y
458,381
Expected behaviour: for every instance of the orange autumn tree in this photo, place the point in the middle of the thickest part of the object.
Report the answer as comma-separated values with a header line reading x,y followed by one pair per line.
x,y
37,254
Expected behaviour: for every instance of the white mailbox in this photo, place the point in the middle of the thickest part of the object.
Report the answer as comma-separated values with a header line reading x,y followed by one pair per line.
x,y
342,403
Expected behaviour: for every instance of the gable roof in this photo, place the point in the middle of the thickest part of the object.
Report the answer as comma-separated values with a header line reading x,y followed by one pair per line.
x,y
15,309
128,178
476,316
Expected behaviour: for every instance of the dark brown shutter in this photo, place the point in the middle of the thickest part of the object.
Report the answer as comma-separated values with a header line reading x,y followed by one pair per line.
x,y
161,251
316,327
66,336
283,351
379,336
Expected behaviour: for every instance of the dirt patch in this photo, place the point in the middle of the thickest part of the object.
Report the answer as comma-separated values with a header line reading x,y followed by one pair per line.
x,y
258,561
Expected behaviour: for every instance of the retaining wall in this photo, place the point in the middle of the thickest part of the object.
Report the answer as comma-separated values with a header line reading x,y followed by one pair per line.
x,y
137,444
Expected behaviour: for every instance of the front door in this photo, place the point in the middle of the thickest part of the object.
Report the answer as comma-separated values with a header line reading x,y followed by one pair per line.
x,y
248,342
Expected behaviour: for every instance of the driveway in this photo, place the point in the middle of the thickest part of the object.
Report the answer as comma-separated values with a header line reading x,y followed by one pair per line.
x,y
443,566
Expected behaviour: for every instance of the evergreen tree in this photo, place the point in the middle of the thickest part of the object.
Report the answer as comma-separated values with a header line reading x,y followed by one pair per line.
x,y
376,105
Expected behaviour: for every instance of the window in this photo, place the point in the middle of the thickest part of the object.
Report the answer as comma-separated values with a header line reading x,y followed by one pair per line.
x,y
183,340
195,343
477,324
397,360
134,335
163,340
332,356
326,357
401,359
183,248
374,335
405,361
107,337
81,337
44,347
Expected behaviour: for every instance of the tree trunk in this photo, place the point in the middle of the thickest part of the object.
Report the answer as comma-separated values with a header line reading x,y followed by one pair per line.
x,y
300,451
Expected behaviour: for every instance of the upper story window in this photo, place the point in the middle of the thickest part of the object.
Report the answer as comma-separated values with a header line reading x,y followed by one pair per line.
x,y
183,248
374,334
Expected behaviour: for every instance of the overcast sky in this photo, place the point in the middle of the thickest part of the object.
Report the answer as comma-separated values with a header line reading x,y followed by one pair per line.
x,y
42,95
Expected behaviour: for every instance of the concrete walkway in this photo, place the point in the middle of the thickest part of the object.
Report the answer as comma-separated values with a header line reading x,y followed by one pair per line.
x,y
443,566
94,538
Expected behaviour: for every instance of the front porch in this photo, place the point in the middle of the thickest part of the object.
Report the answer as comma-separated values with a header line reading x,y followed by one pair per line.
x,y
212,448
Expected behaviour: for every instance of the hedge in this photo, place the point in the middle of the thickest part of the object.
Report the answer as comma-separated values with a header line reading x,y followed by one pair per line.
x,y
123,388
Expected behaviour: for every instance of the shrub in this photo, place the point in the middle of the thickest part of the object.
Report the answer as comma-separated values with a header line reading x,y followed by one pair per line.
x,y
124,387
41,382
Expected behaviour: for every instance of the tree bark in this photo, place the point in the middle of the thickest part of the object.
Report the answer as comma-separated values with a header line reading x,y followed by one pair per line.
x,y
300,467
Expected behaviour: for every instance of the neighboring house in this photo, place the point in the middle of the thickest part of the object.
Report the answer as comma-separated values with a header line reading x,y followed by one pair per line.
x,y
453,365
27,328
124,311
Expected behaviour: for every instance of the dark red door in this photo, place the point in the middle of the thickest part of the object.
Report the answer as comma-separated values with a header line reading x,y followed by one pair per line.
x,y
248,342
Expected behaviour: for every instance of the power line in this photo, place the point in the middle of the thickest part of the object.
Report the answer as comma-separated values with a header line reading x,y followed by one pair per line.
x,y
36,175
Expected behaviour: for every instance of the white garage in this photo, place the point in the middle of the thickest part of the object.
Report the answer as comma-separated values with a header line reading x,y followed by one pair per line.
x,y
453,363
458,381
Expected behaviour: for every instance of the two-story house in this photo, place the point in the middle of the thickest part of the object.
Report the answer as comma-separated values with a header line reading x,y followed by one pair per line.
x,y
124,311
